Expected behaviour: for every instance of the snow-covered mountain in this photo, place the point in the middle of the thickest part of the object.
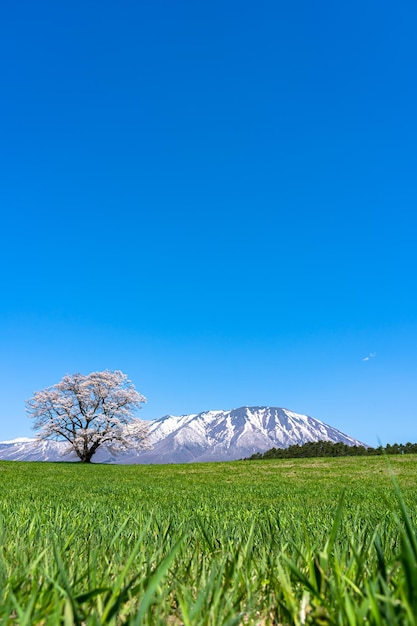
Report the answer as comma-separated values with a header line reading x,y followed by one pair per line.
x,y
26,449
209,436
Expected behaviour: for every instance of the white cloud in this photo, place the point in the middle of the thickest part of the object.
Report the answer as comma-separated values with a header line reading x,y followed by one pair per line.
x,y
369,357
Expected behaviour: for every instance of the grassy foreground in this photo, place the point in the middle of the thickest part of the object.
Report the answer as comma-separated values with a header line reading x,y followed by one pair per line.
x,y
260,542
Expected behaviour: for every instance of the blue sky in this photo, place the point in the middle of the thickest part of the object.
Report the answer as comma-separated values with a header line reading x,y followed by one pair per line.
x,y
219,199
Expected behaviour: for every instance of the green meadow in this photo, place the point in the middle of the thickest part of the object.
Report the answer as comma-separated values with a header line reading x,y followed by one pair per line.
x,y
298,541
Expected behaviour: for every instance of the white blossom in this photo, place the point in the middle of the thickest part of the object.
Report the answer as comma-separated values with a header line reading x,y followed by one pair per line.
x,y
89,412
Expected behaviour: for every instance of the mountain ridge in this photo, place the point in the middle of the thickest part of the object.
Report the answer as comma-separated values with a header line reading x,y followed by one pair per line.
x,y
197,437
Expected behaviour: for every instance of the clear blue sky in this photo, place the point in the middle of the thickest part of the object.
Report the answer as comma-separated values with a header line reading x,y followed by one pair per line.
x,y
219,199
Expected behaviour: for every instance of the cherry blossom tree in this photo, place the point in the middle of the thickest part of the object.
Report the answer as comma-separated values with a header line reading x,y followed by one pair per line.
x,y
90,412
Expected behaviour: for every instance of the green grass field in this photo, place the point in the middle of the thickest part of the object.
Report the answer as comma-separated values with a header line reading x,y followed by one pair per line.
x,y
303,541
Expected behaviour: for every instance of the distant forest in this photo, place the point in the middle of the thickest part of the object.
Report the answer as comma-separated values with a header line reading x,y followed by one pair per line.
x,y
328,448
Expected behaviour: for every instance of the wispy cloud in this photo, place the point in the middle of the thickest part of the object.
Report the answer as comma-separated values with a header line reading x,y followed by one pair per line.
x,y
370,356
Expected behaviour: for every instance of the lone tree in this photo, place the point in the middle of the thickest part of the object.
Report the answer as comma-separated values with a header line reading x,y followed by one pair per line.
x,y
90,412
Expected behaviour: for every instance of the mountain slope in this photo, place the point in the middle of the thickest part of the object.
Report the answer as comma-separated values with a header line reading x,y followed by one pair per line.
x,y
208,436
235,434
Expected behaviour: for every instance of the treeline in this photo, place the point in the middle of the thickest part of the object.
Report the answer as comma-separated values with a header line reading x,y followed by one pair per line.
x,y
328,448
